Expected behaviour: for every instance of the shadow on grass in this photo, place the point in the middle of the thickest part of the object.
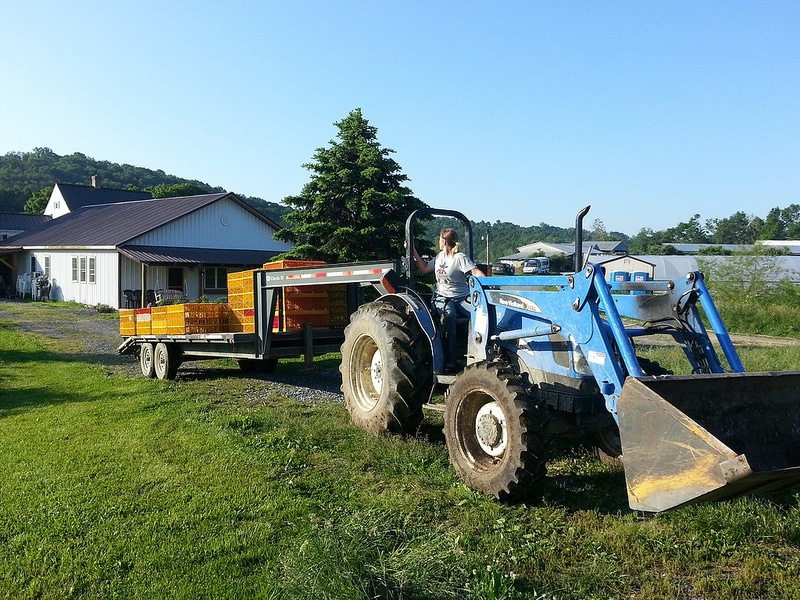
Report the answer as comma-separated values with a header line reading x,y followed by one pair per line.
x,y
15,401
322,379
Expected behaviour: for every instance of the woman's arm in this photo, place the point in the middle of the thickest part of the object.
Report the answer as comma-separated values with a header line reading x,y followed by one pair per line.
x,y
421,264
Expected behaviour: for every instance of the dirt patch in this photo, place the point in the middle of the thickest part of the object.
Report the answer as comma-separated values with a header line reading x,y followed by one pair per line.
x,y
95,337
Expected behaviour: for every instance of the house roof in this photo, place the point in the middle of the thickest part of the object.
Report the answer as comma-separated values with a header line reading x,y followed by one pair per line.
x,y
156,255
110,225
20,222
78,196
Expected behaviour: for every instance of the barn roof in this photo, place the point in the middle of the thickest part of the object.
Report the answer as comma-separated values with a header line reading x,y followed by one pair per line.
x,y
110,225
20,221
163,255
78,196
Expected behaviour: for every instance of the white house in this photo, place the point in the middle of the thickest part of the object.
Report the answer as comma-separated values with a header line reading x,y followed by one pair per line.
x,y
186,244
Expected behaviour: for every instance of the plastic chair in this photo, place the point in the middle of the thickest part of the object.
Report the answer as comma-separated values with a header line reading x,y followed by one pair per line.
x,y
137,298
129,298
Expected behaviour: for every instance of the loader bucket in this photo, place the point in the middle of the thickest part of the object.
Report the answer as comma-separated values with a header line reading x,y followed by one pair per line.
x,y
698,438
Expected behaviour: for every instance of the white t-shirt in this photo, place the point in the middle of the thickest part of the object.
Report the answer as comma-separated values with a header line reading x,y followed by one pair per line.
x,y
451,274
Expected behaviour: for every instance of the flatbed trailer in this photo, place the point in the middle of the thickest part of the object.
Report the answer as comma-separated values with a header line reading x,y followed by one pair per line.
x,y
160,355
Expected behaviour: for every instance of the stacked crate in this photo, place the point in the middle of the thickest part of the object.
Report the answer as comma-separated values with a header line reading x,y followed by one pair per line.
x,y
143,321
178,319
337,305
240,308
127,322
302,304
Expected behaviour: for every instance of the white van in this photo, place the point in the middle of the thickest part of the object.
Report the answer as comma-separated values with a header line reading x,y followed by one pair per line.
x,y
537,266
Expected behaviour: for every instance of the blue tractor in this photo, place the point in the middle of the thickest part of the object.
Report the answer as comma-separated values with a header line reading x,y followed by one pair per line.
x,y
555,357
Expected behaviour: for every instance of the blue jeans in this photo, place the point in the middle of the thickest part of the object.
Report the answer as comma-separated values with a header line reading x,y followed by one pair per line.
x,y
447,311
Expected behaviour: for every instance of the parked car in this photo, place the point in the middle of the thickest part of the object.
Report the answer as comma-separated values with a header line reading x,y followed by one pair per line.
x,y
502,269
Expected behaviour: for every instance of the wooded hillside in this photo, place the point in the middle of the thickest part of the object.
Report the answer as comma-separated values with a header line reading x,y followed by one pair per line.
x,y
23,174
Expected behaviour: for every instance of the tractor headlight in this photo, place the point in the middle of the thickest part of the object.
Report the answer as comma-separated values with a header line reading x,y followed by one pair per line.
x,y
579,362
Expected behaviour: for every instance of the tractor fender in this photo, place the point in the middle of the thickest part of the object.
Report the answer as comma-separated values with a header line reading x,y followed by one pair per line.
x,y
421,311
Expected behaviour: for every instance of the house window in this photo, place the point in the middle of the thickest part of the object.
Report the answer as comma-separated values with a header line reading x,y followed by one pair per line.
x,y
47,266
175,278
74,268
215,278
92,269
33,264
82,274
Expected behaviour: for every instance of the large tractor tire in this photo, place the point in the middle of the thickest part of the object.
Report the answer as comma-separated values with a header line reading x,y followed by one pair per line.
x,y
495,433
166,359
387,372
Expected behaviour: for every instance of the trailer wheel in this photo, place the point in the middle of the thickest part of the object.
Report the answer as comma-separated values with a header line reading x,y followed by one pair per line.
x,y
387,372
495,433
146,361
166,361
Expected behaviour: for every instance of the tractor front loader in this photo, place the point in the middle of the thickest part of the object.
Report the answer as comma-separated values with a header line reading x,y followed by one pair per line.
x,y
554,356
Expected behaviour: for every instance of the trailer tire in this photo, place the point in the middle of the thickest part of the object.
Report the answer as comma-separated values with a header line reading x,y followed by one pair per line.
x,y
166,360
495,432
387,370
146,361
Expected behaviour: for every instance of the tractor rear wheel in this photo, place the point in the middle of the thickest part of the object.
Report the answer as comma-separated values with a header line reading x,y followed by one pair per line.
x,y
387,372
495,434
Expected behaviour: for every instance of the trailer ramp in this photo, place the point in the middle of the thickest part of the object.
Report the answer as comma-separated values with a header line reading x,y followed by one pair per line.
x,y
698,438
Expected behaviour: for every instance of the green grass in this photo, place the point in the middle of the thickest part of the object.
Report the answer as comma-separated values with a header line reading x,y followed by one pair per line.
x,y
114,486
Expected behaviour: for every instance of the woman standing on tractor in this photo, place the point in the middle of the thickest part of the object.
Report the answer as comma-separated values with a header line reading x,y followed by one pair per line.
x,y
452,269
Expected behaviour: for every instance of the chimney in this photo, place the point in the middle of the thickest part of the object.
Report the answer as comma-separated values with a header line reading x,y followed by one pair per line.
x,y
97,181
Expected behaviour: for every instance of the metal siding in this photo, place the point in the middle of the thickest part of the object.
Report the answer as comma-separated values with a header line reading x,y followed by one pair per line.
x,y
103,291
223,224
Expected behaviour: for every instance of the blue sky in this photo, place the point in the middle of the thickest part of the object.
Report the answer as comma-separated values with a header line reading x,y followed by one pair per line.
x,y
514,111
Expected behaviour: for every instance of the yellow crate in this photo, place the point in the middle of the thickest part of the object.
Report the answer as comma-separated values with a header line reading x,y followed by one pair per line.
x,y
143,321
177,319
337,305
127,321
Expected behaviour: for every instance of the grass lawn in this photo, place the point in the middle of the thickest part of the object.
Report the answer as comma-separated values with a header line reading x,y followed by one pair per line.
x,y
116,486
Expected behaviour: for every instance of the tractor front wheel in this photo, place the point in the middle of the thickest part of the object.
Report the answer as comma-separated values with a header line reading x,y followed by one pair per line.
x,y
387,372
495,434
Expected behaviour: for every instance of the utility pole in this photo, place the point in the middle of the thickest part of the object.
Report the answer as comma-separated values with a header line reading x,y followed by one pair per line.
x,y
486,237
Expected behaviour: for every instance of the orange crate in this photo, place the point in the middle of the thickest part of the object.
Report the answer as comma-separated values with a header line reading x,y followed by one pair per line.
x,y
143,320
292,264
297,320
127,321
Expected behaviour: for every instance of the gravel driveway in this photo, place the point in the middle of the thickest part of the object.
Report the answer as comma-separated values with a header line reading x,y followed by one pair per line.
x,y
96,337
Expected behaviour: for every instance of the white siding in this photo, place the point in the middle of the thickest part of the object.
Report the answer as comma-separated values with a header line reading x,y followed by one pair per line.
x,y
56,205
104,288
223,224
